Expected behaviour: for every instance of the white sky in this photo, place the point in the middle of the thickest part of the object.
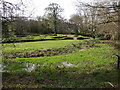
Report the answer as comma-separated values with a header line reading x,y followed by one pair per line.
x,y
39,6
67,5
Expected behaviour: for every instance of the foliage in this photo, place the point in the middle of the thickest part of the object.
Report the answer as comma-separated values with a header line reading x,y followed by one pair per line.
x,y
53,11
93,19
100,18
9,13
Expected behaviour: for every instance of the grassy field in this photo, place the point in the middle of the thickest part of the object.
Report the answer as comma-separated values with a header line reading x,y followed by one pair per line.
x,y
28,46
103,53
93,67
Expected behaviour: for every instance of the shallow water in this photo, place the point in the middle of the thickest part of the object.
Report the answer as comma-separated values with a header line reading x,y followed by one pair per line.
x,y
30,67
2,66
67,64
26,66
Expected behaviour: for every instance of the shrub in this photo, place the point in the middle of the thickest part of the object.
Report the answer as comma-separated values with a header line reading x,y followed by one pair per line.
x,y
29,37
58,37
68,38
81,38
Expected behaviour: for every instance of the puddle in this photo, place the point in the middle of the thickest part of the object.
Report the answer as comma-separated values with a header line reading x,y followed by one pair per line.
x,y
30,67
67,64
2,66
26,66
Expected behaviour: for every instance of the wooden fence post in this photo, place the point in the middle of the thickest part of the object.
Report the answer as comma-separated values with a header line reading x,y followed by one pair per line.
x,y
118,63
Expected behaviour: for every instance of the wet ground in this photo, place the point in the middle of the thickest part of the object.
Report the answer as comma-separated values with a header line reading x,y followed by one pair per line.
x,y
28,66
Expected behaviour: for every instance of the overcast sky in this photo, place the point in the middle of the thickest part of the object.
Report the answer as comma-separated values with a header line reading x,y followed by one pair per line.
x,y
67,5
38,6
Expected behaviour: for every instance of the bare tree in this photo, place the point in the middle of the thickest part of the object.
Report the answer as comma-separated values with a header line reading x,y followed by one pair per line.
x,y
101,14
9,13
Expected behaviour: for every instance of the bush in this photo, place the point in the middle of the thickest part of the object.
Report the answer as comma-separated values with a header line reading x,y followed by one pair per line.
x,y
88,35
29,37
68,38
90,43
58,37
81,38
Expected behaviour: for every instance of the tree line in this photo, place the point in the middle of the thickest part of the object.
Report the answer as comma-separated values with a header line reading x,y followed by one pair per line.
x,y
99,20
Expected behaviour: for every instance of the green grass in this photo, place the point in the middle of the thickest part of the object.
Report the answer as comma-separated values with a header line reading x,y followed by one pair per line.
x,y
29,37
93,68
102,55
28,46
39,37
